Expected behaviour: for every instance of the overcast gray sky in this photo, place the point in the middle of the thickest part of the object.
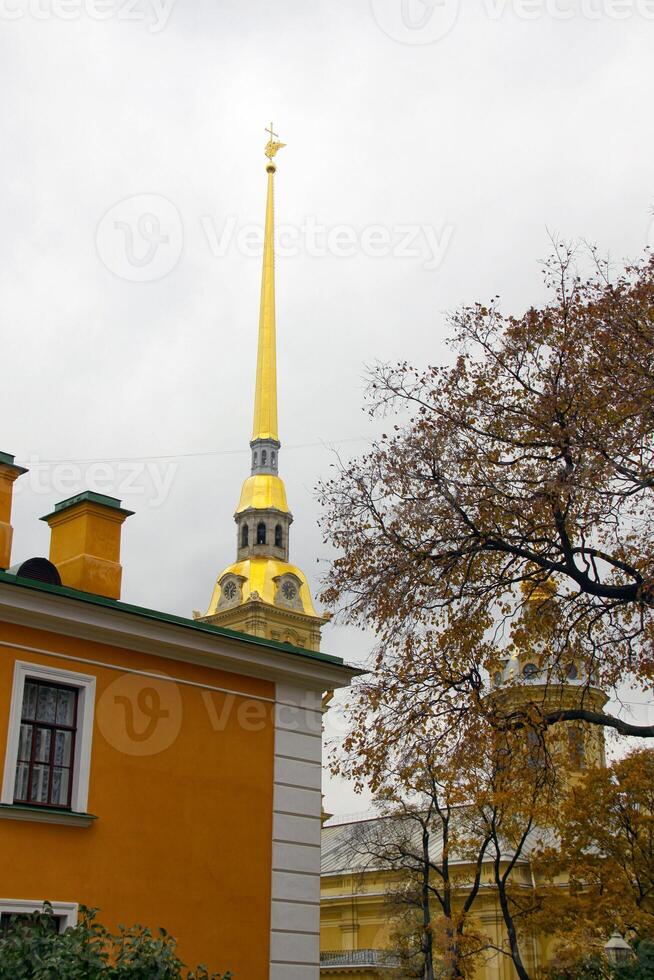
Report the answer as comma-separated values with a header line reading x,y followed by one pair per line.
x,y
431,148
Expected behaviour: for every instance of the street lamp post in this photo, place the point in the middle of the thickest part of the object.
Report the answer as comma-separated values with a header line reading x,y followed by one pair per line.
x,y
616,949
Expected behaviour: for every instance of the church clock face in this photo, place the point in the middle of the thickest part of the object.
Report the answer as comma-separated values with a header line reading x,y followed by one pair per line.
x,y
230,590
289,591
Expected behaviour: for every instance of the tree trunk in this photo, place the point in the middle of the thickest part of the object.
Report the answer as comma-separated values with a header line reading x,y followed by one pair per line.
x,y
455,969
427,938
510,929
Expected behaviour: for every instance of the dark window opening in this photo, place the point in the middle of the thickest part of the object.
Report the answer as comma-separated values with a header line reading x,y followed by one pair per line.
x,y
13,922
264,457
261,533
273,457
577,747
245,536
255,459
278,536
46,745
535,749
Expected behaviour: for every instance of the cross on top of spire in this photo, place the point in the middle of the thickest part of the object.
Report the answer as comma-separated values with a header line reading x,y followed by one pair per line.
x,y
273,143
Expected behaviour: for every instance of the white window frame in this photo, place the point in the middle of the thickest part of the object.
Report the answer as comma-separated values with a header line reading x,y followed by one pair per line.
x,y
64,910
85,684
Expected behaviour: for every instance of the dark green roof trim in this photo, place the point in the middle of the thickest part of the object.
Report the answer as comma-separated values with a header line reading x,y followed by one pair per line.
x,y
161,617
6,459
88,496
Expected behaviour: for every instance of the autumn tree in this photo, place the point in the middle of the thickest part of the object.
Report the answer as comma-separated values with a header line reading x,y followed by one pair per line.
x,y
463,807
423,837
528,458
605,848
506,510
513,800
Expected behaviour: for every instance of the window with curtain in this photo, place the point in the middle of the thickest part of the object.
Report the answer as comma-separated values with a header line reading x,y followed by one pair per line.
x,y
46,745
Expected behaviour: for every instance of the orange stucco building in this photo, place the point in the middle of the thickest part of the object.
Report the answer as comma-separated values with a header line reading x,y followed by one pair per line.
x,y
193,795
162,769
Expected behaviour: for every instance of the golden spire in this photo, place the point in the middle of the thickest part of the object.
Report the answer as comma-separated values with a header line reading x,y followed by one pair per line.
x,y
265,396
261,593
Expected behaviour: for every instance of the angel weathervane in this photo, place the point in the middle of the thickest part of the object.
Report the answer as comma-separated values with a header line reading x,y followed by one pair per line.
x,y
273,143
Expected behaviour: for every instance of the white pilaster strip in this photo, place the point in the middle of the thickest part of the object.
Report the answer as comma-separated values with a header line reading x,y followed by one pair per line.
x,y
295,914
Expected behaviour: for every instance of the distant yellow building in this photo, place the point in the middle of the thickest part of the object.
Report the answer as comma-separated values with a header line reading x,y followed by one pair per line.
x,y
357,918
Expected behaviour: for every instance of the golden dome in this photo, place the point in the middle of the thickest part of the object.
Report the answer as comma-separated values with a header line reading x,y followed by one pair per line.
x,y
538,590
258,575
263,491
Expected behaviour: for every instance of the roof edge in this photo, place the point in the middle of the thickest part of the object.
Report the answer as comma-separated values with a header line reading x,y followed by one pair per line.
x,y
162,617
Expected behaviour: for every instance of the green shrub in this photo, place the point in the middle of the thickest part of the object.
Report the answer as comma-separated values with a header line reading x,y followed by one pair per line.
x,y
32,949
640,968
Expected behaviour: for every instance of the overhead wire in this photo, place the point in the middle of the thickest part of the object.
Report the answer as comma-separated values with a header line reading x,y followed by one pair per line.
x,y
324,443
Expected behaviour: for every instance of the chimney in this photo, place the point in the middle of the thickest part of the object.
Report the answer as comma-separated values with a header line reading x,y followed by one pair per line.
x,y
8,473
85,542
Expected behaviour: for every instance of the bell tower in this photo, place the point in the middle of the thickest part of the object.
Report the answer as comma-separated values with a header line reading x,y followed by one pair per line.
x,y
262,594
529,679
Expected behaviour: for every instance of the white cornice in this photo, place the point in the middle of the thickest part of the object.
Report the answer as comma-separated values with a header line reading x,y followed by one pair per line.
x,y
133,631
